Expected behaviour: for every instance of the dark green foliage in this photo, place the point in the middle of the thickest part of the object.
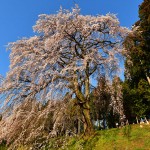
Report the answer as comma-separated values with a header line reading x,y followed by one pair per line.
x,y
100,101
106,103
136,88
136,99
112,119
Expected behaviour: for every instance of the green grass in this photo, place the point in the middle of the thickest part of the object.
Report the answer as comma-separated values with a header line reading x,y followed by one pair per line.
x,y
3,147
127,138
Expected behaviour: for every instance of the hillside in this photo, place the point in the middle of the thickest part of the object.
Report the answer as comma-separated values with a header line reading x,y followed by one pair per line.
x,y
127,138
131,137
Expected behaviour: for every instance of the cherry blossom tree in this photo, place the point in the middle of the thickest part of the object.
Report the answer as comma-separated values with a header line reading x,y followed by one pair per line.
x,y
1,96
68,51
29,123
117,99
1,80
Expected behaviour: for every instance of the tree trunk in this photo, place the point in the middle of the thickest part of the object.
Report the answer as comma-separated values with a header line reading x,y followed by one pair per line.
x,y
88,126
84,99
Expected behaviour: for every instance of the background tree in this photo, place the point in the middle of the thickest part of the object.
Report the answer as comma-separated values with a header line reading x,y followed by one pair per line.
x,y
107,102
117,97
100,101
137,80
68,51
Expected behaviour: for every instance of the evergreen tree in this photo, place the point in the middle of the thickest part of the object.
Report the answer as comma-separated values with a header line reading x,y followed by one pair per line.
x,y
137,81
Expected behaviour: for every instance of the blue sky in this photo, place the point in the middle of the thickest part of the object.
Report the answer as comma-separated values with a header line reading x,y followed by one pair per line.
x,y
18,16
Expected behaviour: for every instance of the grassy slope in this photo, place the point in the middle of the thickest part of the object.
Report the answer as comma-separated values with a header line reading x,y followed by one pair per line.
x,y
127,138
